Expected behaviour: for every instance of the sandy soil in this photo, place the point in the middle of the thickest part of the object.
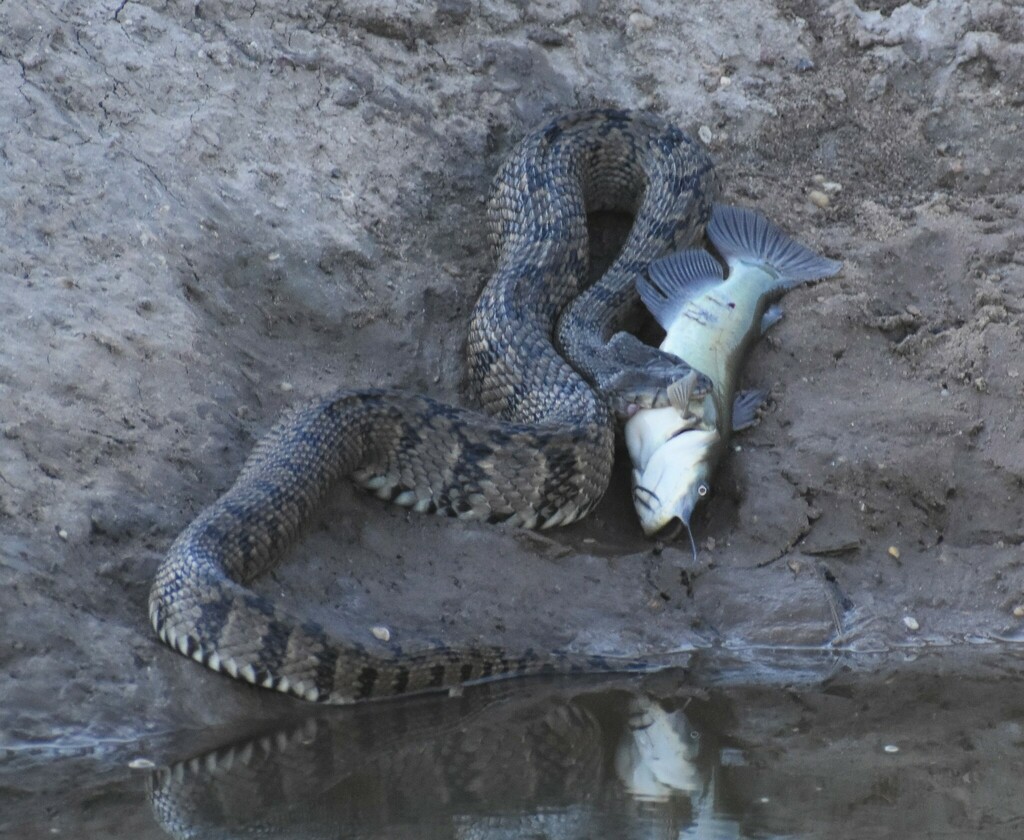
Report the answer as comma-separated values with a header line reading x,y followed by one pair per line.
x,y
211,211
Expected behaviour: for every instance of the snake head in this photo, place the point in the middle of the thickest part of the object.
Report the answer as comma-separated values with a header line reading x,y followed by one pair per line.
x,y
643,376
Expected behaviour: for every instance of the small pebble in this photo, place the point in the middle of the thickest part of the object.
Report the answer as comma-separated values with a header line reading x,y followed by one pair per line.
x,y
894,552
381,633
705,135
911,623
724,82
286,386
819,199
641,22
141,764
62,534
891,748
1018,611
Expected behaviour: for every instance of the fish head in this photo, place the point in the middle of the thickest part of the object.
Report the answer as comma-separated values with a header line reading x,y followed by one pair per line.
x,y
675,479
650,429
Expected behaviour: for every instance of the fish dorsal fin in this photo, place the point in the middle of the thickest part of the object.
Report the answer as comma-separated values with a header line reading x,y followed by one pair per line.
x,y
739,234
672,281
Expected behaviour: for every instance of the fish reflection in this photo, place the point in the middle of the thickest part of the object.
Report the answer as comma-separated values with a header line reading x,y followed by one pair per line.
x,y
542,762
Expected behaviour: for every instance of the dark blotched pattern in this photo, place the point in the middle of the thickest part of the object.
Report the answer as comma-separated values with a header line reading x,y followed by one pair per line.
x,y
544,458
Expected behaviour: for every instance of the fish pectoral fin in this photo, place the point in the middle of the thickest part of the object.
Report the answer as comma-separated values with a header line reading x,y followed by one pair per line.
x,y
680,391
745,406
741,235
771,317
672,281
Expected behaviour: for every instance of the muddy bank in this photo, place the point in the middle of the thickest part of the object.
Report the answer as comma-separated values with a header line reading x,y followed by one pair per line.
x,y
210,213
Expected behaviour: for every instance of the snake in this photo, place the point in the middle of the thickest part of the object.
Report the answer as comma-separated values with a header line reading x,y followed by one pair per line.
x,y
552,370
530,763
417,762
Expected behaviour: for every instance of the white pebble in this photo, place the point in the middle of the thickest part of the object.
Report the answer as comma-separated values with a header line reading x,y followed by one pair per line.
x,y
705,135
141,764
381,633
891,748
819,199
911,623
641,22
62,534
286,386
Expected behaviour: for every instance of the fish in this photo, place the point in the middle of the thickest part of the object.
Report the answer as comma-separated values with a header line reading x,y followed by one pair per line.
x,y
656,757
711,321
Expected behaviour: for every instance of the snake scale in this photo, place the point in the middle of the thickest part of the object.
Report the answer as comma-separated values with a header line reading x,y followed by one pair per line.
x,y
548,364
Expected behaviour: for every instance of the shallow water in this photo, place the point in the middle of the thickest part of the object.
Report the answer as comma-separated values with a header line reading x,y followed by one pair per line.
x,y
929,747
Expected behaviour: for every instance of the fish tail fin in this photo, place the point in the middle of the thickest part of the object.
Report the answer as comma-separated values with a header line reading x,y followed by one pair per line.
x,y
741,234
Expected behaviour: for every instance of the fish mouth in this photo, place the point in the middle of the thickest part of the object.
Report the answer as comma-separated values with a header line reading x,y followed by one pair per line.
x,y
659,519
670,531
659,526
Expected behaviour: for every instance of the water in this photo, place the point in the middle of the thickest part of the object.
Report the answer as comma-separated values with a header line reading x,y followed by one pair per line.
x,y
929,748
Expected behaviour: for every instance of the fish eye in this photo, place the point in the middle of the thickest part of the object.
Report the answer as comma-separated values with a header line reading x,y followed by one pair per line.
x,y
702,490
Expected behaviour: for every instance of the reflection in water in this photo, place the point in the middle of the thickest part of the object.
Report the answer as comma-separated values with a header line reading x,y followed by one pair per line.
x,y
545,762
927,746
656,756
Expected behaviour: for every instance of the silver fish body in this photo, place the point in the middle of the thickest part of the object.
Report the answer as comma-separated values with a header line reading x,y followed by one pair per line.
x,y
711,322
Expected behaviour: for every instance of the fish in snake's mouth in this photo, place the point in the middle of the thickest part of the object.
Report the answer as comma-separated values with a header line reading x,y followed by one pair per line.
x,y
711,321
541,366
